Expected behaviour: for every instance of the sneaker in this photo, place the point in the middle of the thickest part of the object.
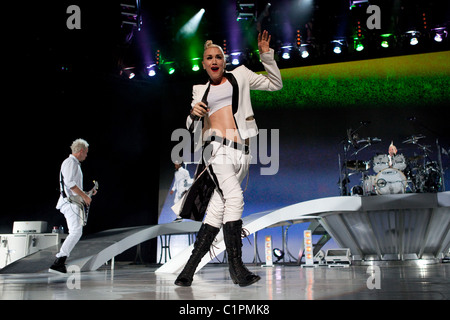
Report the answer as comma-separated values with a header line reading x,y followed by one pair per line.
x,y
59,266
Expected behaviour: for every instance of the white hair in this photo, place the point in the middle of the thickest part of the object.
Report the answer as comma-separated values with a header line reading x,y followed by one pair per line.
x,y
79,145
210,44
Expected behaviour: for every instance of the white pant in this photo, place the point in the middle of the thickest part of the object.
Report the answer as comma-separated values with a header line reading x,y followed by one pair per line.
x,y
72,214
228,167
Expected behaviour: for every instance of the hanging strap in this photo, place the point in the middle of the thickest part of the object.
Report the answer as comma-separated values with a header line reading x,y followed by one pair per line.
x,y
61,187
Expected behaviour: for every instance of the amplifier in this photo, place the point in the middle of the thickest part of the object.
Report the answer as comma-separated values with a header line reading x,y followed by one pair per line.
x,y
30,227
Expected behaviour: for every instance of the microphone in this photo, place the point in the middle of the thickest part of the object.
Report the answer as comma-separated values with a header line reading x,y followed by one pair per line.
x,y
194,117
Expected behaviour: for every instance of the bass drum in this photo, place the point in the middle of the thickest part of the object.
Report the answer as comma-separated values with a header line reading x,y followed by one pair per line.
x,y
390,181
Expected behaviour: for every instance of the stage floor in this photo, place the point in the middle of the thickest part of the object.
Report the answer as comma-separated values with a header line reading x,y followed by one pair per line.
x,y
282,282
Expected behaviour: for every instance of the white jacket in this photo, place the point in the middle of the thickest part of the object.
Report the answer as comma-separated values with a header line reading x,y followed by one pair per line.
x,y
246,80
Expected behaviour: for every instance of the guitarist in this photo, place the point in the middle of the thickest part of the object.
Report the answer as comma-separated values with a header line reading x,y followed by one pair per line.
x,y
71,180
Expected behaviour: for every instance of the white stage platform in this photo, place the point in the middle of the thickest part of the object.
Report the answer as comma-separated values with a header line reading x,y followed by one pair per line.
x,y
385,227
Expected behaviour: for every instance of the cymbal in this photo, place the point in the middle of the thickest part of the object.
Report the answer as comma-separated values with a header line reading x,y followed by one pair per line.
x,y
415,158
358,165
369,140
414,139
425,148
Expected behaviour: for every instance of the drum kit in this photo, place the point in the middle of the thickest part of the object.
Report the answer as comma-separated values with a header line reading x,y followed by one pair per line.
x,y
392,174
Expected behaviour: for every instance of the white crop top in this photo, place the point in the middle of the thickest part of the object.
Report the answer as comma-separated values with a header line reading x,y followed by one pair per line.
x,y
219,96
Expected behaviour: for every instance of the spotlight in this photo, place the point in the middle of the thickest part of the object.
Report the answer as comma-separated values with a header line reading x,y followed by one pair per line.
x,y
387,39
354,3
151,70
413,37
169,67
128,72
338,46
190,27
304,50
278,253
195,64
440,34
286,52
236,58
358,44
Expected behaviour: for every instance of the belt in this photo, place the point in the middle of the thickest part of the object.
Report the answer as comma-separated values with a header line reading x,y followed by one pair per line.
x,y
229,143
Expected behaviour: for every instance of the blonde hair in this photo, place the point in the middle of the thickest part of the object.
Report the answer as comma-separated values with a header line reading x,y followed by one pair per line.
x,y
210,44
79,145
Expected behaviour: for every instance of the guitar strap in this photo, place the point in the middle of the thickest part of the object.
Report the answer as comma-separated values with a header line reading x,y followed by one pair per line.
x,y
61,187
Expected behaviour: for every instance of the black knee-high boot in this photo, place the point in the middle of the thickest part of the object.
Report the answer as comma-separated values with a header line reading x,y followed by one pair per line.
x,y
205,238
232,232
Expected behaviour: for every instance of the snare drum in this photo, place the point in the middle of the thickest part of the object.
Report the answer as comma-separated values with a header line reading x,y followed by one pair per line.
x,y
380,162
390,181
399,162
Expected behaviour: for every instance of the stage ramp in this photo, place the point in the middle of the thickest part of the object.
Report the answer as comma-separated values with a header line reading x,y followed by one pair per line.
x,y
384,227
93,251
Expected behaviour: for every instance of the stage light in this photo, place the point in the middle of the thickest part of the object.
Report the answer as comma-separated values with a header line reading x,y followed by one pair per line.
x,y
151,70
304,51
190,27
128,72
278,253
387,39
440,34
354,3
236,58
307,242
169,67
413,37
196,64
299,38
286,52
338,46
358,44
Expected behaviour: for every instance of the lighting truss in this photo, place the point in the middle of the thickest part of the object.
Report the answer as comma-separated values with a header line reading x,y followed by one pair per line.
x,y
131,13
246,10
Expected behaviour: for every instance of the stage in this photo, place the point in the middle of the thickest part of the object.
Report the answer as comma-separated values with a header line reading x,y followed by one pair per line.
x,y
399,245
281,282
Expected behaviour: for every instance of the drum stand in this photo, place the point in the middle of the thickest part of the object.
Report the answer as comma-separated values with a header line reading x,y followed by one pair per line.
x,y
420,177
357,165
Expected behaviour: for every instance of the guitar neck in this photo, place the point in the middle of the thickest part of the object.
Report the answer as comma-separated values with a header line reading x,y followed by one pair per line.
x,y
89,193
